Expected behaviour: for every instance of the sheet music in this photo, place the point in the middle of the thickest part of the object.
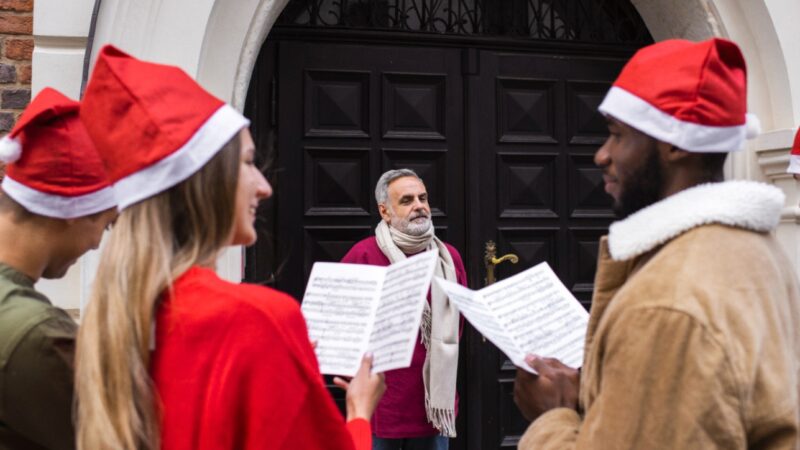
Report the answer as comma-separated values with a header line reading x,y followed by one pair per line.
x,y
540,315
474,308
354,308
399,314
339,307
531,312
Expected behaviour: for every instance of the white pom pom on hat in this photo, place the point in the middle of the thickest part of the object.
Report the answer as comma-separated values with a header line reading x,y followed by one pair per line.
x,y
752,126
10,149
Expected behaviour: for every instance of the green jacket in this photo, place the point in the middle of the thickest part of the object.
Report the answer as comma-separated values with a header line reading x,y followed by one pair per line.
x,y
37,345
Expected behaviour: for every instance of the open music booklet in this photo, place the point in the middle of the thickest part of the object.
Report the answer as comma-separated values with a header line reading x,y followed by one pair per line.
x,y
531,312
352,309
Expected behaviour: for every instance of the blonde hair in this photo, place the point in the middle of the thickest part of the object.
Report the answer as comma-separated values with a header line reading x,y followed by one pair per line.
x,y
153,242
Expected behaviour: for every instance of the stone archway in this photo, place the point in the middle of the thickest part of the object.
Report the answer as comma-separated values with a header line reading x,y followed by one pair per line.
x,y
218,44
217,41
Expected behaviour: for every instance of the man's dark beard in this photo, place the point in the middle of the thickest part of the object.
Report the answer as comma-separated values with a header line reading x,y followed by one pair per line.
x,y
642,187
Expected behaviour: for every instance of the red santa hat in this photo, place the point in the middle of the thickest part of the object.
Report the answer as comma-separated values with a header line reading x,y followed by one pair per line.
x,y
53,168
794,157
692,95
153,125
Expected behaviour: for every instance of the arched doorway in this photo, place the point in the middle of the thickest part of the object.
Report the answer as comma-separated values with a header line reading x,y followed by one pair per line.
x,y
493,103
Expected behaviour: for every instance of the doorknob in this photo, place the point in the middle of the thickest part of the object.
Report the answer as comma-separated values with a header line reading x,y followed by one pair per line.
x,y
490,260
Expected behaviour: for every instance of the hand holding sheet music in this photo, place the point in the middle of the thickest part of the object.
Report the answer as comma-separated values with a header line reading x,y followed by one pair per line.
x,y
531,312
351,309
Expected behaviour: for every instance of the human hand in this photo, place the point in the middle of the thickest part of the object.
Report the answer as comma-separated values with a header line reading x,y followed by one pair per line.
x,y
364,391
556,386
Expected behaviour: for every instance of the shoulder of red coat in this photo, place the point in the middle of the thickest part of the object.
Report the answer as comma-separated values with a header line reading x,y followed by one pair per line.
x,y
269,300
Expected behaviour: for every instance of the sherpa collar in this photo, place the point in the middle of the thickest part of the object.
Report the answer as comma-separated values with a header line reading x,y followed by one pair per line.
x,y
743,204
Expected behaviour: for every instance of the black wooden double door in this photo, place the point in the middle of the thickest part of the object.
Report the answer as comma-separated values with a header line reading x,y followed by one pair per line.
x,y
504,142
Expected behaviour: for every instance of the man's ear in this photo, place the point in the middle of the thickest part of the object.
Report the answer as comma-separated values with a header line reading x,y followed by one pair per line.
x,y
670,153
384,211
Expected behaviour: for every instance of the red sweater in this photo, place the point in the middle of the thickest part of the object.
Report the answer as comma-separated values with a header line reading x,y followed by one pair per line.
x,y
234,369
401,412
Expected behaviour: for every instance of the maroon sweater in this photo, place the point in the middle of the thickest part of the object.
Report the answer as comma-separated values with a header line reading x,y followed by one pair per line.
x,y
401,412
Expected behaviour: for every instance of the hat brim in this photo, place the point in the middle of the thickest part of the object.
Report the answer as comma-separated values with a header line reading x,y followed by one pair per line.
x,y
209,139
57,206
693,137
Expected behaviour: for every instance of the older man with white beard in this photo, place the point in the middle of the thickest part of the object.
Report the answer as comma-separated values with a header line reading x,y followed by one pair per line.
x,y
418,410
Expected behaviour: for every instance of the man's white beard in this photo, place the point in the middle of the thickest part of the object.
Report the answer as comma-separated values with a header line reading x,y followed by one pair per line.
x,y
413,228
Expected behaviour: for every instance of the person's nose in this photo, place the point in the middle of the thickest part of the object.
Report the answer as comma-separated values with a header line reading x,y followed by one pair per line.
x,y
263,188
602,157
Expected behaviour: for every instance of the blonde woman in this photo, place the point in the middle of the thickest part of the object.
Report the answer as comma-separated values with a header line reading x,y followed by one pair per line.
x,y
169,355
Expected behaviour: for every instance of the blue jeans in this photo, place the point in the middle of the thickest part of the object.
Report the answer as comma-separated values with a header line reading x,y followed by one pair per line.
x,y
424,443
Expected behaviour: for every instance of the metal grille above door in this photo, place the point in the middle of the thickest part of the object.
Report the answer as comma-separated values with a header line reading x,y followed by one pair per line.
x,y
596,21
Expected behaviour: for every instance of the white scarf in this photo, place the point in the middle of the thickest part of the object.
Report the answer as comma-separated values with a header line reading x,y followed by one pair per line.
x,y
439,336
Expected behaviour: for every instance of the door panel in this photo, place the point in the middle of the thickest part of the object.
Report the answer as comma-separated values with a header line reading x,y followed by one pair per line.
x,y
346,114
503,140
533,128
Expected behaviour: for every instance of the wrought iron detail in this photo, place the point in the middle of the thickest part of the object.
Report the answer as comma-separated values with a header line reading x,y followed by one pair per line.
x,y
604,21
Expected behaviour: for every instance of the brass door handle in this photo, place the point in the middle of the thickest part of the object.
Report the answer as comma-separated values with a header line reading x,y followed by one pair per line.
x,y
509,257
490,260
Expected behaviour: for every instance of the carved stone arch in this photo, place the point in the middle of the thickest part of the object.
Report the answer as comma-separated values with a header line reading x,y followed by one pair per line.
x,y
231,44
217,41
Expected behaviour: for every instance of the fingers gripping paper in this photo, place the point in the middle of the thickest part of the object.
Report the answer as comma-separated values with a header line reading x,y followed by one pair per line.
x,y
531,312
352,309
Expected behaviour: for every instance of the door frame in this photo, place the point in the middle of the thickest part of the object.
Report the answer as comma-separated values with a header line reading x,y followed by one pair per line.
x,y
471,376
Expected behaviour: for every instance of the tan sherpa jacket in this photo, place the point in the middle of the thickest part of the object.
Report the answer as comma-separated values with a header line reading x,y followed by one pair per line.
x,y
694,335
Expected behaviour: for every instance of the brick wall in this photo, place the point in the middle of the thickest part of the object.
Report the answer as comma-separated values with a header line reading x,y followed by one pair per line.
x,y
16,48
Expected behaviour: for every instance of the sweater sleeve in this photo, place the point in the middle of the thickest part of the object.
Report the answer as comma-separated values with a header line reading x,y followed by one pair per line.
x,y
320,424
461,272
37,391
361,433
664,383
356,255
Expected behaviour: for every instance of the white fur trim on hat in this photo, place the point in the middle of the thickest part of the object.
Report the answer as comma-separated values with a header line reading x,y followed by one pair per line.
x,y
60,207
794,164
648,119
10,149
183,163
742,204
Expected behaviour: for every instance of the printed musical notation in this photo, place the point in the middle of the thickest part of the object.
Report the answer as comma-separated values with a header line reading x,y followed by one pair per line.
x,y
351,309
531,312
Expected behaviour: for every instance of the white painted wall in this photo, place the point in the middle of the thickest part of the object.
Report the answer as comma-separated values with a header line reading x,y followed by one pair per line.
x,y
217,41
59,31
768,34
